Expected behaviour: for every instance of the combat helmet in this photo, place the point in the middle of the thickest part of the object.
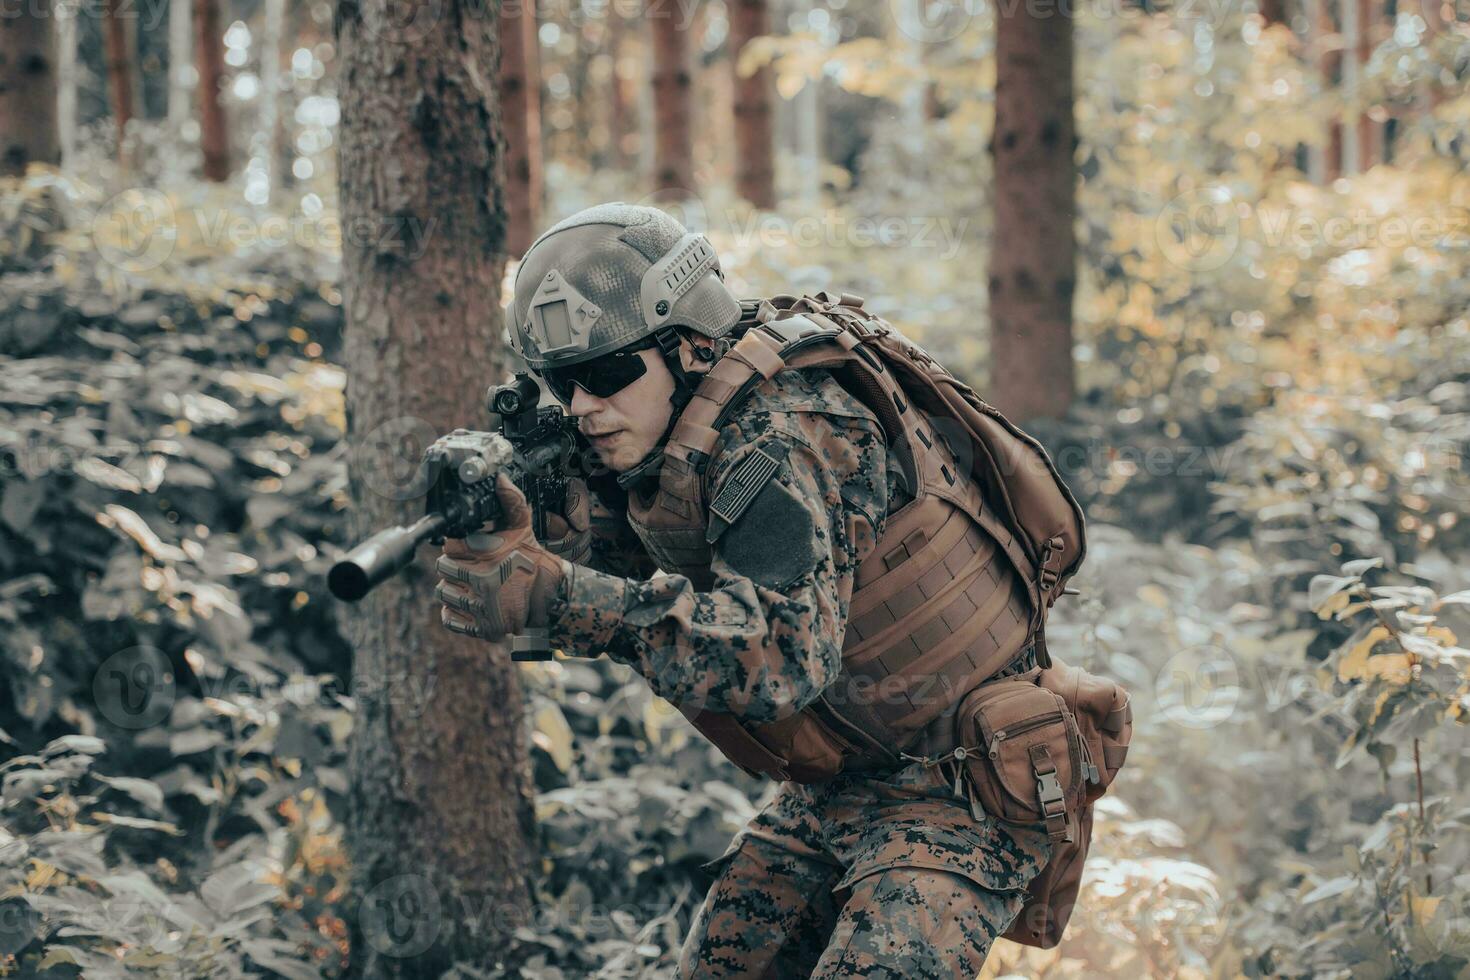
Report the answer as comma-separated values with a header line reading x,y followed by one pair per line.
x,y
610,276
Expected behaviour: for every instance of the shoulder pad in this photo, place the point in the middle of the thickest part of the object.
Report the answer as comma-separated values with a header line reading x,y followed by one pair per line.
x,y
797,332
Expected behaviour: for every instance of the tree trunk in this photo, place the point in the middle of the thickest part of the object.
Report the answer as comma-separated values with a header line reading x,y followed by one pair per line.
x,y
441,813
180,56
66,81
1033,251
621,116
520,96
673,168
209,59
755,166
271,128
1369,24
1326,46
27,91
119,70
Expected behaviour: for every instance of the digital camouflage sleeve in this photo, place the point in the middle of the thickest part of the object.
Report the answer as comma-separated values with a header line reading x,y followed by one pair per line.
x,y
768,638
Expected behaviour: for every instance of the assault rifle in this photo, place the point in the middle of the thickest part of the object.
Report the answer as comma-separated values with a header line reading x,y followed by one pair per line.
x,y
536,447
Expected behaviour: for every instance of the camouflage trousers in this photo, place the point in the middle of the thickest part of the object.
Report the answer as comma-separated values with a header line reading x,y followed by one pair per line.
x,y
863,877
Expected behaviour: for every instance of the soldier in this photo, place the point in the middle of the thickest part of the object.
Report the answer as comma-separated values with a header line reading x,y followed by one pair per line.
x,y
801,547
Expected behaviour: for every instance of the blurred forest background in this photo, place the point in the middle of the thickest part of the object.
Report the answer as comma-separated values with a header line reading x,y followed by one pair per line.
x,y
1214,252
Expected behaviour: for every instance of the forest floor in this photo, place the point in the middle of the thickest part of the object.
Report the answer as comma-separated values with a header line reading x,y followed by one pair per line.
x,y
177,695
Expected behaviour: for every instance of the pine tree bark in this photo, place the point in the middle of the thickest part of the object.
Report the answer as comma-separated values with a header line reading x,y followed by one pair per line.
x,y
214,140
119,69
1327,49
1033,257
272,130
441,806
1370,30
673,168
755,167
180,54
520,96
28,131
621,114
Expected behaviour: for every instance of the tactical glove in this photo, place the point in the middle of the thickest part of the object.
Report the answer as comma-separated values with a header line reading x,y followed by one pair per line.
x,y
497,584
569,534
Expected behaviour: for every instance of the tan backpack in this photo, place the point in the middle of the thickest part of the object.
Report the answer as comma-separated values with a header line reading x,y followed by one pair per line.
x,y
1063,732
1019,481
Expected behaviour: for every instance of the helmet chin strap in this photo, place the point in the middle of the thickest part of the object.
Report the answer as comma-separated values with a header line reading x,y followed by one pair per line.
x,y
685,383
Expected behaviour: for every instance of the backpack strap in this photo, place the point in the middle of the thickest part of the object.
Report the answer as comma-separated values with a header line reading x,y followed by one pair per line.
x,y
761,354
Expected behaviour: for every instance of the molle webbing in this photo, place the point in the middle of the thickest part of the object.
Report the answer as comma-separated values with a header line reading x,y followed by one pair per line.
x,y
948,597
944,613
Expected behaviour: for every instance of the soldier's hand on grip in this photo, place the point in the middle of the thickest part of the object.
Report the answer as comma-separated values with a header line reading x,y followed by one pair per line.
x,y
569,533
497,584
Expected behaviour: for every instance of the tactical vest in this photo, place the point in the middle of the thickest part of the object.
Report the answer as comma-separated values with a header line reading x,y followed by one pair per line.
x,y
961,577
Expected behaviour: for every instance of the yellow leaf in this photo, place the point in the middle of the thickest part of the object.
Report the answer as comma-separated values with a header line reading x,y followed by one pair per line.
x,y
1154,595
788,84
1378,704
652,723
1334,602
1354,663
1391,667
1422,907
556,735
1443,634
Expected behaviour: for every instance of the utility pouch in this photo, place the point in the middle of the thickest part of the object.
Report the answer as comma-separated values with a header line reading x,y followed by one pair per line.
x,y
1024,760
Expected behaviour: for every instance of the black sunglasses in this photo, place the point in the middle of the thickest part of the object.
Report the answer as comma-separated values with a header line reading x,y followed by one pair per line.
x,y
603,376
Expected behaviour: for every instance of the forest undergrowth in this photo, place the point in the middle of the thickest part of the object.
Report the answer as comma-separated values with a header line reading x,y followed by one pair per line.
x,y
1277,572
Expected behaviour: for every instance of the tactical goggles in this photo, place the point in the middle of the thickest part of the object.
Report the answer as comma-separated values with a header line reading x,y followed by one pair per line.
x,y
601,377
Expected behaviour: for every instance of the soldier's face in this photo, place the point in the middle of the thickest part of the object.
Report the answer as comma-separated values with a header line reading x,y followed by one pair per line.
x,y
625,426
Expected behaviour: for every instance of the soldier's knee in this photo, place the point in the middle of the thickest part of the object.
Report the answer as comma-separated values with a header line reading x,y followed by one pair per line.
x,y
917,922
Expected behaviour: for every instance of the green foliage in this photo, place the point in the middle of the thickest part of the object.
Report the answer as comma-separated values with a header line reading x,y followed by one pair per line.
x,y
1265,395
170,476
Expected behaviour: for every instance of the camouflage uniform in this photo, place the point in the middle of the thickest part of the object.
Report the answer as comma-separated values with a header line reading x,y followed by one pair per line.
x,y
879,875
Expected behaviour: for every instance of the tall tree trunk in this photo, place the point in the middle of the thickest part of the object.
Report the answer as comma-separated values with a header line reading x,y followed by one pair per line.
x,y
647,138
66,14
27,90
520,97
806,132
755,165
180,57
673,100
907,49
442,809
271,129
209,59
119,59
1369,21
1033,253
1327,49
620,111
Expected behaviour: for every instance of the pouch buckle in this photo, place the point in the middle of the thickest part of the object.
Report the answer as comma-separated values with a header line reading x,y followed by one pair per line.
x,y
1049,789
1049,792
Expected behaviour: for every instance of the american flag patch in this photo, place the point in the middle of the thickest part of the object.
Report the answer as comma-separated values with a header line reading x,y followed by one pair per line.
x,y
743,484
